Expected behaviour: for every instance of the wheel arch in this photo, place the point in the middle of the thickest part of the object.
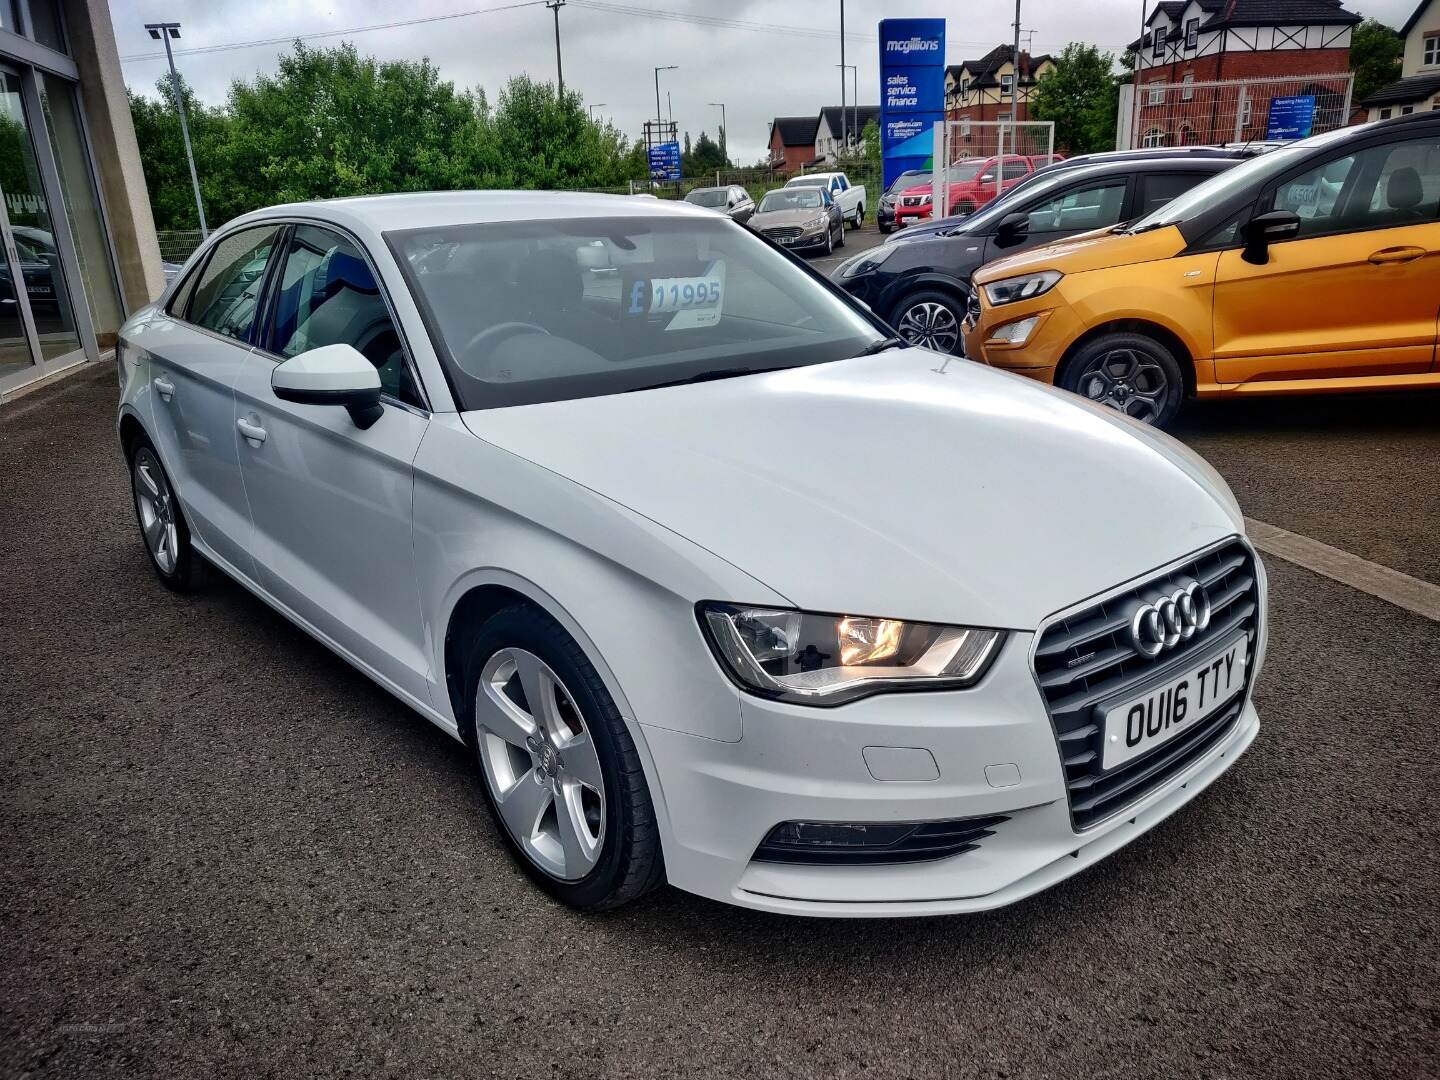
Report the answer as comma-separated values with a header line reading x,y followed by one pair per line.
x,y
130,429
1145,328
479,596
927,282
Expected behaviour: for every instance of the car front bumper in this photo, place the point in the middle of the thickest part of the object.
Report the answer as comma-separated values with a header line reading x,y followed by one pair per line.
x,y
995,752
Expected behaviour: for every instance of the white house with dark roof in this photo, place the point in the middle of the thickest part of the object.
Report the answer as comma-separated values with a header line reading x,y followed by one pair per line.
x,y
1418,88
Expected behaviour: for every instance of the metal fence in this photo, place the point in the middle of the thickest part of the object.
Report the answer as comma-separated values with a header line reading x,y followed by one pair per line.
x,y
976,152
1192,113
177,246
757,182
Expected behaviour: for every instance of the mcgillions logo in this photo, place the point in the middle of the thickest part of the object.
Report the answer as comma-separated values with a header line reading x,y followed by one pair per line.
x,y
914,44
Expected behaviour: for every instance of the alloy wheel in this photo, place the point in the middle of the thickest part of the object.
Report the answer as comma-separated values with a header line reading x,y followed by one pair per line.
x,y
930,324
157,510
1128,381
540,762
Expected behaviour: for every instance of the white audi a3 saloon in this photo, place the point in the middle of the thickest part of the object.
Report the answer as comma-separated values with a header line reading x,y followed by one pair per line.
x,y
721,584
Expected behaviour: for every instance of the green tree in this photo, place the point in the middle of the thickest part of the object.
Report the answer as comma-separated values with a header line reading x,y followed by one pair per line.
x,y
864,158
1081,96
162,157
1375,54
537,141
332,123
703,157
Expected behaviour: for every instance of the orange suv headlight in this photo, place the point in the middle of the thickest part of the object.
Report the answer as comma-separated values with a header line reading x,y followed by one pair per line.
x,y
1024,287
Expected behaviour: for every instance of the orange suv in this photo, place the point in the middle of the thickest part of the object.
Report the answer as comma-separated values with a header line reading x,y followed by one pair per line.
x,y
1315,267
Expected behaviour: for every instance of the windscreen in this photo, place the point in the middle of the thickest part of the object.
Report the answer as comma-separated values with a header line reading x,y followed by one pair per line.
x,y
791,199
962,171
907,179
535,311
809,181
713,197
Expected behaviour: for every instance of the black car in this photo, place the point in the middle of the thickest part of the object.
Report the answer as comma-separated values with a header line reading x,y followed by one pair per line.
x,y
1172,154
885,215
921,286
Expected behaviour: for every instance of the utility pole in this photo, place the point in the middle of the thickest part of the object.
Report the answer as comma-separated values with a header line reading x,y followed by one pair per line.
x,y
1015,66
164,32
555,6
844,122
723,153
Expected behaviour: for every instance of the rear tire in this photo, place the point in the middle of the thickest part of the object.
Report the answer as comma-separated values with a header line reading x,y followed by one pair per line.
x,y
1131,373
885,230
577,759
163,528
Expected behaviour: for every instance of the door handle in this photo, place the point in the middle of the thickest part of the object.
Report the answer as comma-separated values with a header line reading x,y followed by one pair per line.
x,y
254,432
1396,255
164,387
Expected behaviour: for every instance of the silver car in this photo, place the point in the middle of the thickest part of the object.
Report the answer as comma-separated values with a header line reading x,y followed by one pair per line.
x,y
576,478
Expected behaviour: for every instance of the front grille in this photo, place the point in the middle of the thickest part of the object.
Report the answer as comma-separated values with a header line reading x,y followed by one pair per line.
x,y
914,200
1086,662
787,233
857,843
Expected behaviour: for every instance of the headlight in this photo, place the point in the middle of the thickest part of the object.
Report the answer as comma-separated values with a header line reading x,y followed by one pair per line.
x,y
815,659
871,260
1009,290
815,223
925,200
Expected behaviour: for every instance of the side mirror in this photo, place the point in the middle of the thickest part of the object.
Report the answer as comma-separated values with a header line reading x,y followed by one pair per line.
x,y
1012,227
1265,229
988,178
331,375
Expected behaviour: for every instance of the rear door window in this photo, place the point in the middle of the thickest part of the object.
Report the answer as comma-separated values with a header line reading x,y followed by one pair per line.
x,y
228,289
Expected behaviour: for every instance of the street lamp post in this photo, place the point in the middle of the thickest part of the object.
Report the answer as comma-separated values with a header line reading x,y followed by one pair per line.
x,y
723,154
659,117
593,107
855,83
164,32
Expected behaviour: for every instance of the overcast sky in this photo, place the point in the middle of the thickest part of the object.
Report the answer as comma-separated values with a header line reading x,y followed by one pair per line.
x,y
782,63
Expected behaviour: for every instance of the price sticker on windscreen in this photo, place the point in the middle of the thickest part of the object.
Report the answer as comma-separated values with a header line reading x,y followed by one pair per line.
x,y
691,301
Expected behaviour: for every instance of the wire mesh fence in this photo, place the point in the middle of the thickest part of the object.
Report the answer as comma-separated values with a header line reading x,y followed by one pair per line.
x,y
178,245
986,157
1190,113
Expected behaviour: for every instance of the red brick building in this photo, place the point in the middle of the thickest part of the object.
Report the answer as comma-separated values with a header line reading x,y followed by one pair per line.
x,y
981,89
792,141
1235,41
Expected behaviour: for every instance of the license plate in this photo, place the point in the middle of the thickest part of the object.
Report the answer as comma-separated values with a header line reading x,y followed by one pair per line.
x,y
1143,723
38,290
787,240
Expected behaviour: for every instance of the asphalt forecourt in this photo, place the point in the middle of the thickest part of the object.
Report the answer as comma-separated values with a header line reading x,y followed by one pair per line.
x,y
227,852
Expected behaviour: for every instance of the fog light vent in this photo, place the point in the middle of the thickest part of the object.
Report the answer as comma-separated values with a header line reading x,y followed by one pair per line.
x,y
831,843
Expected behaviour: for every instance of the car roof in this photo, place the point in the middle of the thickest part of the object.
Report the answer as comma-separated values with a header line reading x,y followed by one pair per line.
x,y
432,209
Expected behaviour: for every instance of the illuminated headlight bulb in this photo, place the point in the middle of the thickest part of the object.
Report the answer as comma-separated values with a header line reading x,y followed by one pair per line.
x,y
865,641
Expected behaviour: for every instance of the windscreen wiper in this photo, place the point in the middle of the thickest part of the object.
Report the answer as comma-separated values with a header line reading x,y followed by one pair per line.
x,y
881,345
711,376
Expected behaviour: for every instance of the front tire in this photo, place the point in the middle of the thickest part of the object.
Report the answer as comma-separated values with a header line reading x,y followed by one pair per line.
x,y
931,319
885,230
840,242
1131,373
162,521
560,771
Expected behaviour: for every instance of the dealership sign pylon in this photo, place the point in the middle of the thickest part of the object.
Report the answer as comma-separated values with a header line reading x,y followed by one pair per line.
x,y
912,93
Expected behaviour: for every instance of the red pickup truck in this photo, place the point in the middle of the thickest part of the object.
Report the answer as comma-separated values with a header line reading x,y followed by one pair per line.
x,y
973,183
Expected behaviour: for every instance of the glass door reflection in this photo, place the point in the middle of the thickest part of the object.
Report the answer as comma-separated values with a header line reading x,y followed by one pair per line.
x,y
33,259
